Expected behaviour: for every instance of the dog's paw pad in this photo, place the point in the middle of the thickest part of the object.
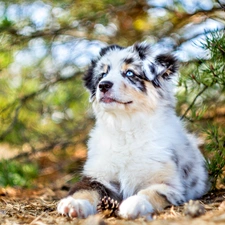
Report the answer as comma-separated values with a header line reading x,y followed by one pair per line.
x,y
75,207
134,207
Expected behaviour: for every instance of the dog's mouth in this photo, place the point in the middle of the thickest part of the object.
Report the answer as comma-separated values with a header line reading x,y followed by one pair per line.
x,y
111,100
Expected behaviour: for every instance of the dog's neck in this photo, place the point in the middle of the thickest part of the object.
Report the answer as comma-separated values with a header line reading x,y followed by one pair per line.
x,y
115,122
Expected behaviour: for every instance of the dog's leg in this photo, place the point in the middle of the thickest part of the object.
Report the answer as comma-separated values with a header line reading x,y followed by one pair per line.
x,y
83,198
154,198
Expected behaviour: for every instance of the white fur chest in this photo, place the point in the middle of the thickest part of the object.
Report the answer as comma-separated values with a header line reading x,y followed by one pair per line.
x,y
125,155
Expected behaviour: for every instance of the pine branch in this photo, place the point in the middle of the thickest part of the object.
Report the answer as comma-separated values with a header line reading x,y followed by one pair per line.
x,y
186,18
193,102
183,40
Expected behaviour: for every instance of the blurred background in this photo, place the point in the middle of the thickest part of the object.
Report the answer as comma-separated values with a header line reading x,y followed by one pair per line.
x,y
45,47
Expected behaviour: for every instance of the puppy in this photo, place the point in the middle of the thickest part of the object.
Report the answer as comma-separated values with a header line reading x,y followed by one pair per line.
x,y
139,152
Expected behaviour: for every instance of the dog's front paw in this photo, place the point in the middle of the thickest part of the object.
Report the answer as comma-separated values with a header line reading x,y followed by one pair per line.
x,y
75,207
136,206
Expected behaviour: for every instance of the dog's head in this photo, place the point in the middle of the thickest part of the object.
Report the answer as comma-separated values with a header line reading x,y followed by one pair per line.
x,y
130,79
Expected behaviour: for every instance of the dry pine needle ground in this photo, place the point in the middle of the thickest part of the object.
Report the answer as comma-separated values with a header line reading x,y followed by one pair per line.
x,y
22,206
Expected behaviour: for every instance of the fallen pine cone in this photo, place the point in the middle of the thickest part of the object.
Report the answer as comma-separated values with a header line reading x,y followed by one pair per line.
x,y
108,207
194,209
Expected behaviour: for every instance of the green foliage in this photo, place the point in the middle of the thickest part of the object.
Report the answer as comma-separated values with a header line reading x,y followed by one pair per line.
x,y
215,147
13,173
203,87
5,59
211,72
43,114
5,23
89,8
42,100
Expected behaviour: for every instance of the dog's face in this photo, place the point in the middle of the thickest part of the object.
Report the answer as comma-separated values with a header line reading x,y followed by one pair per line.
x,y
130,79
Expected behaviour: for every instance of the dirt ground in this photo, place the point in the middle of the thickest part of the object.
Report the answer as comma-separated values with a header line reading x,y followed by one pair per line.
x,y
38,206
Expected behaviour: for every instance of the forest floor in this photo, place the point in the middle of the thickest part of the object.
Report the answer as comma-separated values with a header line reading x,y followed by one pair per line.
x,y
37,205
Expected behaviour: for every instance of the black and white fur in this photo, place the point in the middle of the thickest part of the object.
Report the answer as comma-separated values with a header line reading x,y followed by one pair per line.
x,y
139,152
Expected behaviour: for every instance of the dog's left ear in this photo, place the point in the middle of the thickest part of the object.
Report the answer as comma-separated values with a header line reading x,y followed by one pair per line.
x,y
168,65
156,67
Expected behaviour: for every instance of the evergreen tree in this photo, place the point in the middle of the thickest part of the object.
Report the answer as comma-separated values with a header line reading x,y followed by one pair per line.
x,y
204,83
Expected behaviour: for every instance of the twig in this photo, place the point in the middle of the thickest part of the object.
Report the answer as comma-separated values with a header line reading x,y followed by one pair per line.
x,y
37,218
11,125
221,4
43,149
193,102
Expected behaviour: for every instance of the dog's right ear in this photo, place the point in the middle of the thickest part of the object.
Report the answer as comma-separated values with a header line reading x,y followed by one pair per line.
x,y
88,79
143,49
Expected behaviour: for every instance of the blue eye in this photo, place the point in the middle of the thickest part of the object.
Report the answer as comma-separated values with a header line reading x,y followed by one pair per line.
x,y
129,73
103,75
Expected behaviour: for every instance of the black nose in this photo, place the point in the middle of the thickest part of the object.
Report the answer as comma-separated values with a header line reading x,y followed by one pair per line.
x,y
104,86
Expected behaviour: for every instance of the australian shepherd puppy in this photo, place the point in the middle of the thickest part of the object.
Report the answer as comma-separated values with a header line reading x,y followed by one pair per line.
x,y
139,152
